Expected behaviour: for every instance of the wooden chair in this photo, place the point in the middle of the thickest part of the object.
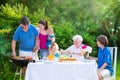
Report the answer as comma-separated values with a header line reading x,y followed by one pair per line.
x,y
113,51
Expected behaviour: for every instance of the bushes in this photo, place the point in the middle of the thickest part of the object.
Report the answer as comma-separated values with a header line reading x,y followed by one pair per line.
x,y
64,29
91,41
13,12
7,71
9,20
64,32
69,17
38,15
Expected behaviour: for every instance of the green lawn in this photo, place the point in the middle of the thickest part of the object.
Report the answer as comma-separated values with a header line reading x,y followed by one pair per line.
x,y
118,69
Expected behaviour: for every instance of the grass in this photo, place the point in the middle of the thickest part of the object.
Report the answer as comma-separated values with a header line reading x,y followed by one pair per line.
x,y
118,68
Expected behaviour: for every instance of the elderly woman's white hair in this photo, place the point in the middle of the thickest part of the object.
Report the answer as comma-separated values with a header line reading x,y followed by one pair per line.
x,y
78,37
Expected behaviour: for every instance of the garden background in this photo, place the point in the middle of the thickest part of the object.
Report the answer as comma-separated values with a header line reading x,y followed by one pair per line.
x,y
88,18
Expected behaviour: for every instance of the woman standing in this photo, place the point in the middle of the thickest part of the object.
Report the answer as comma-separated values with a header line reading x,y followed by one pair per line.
x,y
44,32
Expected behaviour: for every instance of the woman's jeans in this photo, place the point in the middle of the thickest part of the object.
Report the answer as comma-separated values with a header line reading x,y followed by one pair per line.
x,y
43,53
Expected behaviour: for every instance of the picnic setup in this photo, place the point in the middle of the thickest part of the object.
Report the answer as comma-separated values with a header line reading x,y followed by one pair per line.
x,y
59,39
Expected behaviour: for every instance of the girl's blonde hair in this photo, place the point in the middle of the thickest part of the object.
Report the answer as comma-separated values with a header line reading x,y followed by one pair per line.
x,y
54,44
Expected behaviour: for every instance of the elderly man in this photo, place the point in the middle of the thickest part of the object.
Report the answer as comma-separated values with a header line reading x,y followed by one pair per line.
x,y
78,49
27,36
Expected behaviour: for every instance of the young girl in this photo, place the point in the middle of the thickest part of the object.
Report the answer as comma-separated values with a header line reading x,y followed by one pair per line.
x,y
54,53
104,58
44,32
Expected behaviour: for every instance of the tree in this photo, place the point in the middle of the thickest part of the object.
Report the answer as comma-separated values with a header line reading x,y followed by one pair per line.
x,y
109,13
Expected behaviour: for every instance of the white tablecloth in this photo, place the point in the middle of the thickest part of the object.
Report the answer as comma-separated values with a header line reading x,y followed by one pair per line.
x,y
85,70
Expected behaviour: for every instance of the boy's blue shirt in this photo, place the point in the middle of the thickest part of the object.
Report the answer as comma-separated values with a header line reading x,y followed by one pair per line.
x,y
104,56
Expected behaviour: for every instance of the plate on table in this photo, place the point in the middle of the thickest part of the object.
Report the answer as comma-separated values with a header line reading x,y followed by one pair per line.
x,y
49,62
88,60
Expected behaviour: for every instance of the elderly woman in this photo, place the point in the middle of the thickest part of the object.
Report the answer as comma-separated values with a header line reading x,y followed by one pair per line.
x,y
77,49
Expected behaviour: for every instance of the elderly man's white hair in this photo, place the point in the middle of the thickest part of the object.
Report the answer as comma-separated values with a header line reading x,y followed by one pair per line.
x,y
78,37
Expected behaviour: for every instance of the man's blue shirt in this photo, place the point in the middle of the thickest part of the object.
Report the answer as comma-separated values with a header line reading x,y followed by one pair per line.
x,y
104,56
27,39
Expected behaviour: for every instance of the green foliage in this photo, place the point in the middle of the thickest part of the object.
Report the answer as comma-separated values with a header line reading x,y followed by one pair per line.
x,y
5,47
118,39
91,41
14,12
7,68
88,18
118,66
9,20
109,13
64,33
7,71
10,16
38,15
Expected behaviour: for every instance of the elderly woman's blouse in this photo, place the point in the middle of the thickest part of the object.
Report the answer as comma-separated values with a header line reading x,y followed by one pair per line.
x,y
78,50
74,49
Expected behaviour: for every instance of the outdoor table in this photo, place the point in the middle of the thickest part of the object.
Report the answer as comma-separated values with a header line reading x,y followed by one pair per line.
x,y
76,70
